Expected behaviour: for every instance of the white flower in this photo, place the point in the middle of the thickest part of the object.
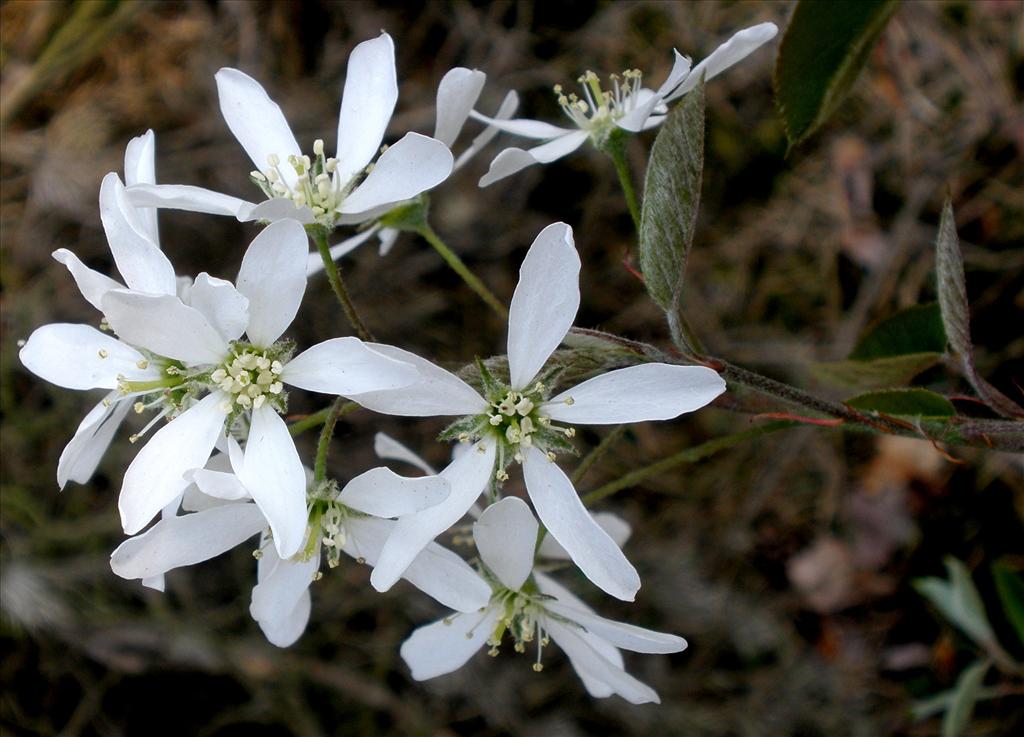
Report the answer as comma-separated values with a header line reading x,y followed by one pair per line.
x,y
533,609
516,421
345,188
457,93
202,351
221,517
627,106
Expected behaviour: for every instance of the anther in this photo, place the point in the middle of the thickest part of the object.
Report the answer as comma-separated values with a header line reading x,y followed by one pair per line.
x,y
103,353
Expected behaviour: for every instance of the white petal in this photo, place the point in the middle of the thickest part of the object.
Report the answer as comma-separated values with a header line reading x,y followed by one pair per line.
x,y
456,95
284,631
468,475
273,474
446,645
92,284
505,111
218,484
506,535
620,634
588,662
650,391
737,48
413,165
256,121
272,210
83,452
315,262
609,652
174,542
522,127
224,307
388,448
142,264
185,197
433,390
156,476
140,168
81,357
273,277
511,160
383,493
371,90
436,571
164,325
387,238
563,514
544,304
346,367
616,527
278,593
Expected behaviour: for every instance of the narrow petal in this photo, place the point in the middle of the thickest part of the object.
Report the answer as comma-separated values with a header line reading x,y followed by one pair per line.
x,y
620,634
650,391
315,263
468,475
256,121
369,97
218,484
156,476
413,165
433,391
388,448
383,493
92,284
456,95
446,645
185,540
506,535
165,325
544,304
616,527
273,474
387,238
273,277
284,631
563,514
505,111
83,452
737,48
278,593
81,357
185,197
346,367
511,160
142,264
140,168
272,210
224,307
550,587
523,127
589,662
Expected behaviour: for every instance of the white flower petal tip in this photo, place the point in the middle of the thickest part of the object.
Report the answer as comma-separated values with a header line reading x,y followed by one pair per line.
x,y
82,454
383,493
446,645
278,208
347,367
92,284
544,304
273,278
651,391
506,535
185,197
413,165
457,93
81,357
512,160
742,44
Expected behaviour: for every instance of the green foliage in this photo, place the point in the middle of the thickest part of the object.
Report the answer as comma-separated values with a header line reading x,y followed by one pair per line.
x,y
671,198
904,402
822,52
959,601
964,696
1010,586
880,372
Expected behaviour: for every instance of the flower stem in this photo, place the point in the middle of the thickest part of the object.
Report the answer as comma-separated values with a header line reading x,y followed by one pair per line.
x,y
595,455
319,236
326,433
318,418
460,268
616,149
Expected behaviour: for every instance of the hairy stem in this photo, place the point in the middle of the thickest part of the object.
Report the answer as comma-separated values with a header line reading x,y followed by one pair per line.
x,y
459,267
326,433
319,236
616,149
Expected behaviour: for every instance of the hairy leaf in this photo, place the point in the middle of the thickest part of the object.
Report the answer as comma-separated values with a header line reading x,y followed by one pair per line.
x,y
905,402
959,601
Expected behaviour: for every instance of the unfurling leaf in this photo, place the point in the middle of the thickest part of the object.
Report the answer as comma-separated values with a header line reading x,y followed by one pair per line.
x,y
1010,586
965,694
904,402
959,601
823,50
671,198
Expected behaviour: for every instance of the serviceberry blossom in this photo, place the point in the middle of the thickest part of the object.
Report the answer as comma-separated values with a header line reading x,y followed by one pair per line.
x,y
220,515
349,187
518,420
532,609
624,104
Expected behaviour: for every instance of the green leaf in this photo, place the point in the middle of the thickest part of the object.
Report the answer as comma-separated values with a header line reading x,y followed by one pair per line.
x,y
1010,586
959,601
823,50
949,267
671,198
879,373
965,694
917,329
905,402
940,702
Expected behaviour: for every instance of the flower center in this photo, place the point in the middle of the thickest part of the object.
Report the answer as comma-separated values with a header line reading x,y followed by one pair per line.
x,y
252,377
599,108
521,618
316,187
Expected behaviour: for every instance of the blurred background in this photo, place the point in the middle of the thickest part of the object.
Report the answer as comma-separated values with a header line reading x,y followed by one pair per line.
x,y
786,562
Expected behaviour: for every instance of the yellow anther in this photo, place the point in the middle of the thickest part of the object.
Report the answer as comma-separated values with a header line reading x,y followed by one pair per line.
x,y
103,353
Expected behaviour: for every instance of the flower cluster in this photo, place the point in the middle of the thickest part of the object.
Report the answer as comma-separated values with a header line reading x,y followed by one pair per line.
x,y
206,359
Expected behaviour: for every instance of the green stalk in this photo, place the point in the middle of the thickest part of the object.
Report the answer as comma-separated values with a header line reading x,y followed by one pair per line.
x,y
326,433
319,236
595,455
460,268
615,147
